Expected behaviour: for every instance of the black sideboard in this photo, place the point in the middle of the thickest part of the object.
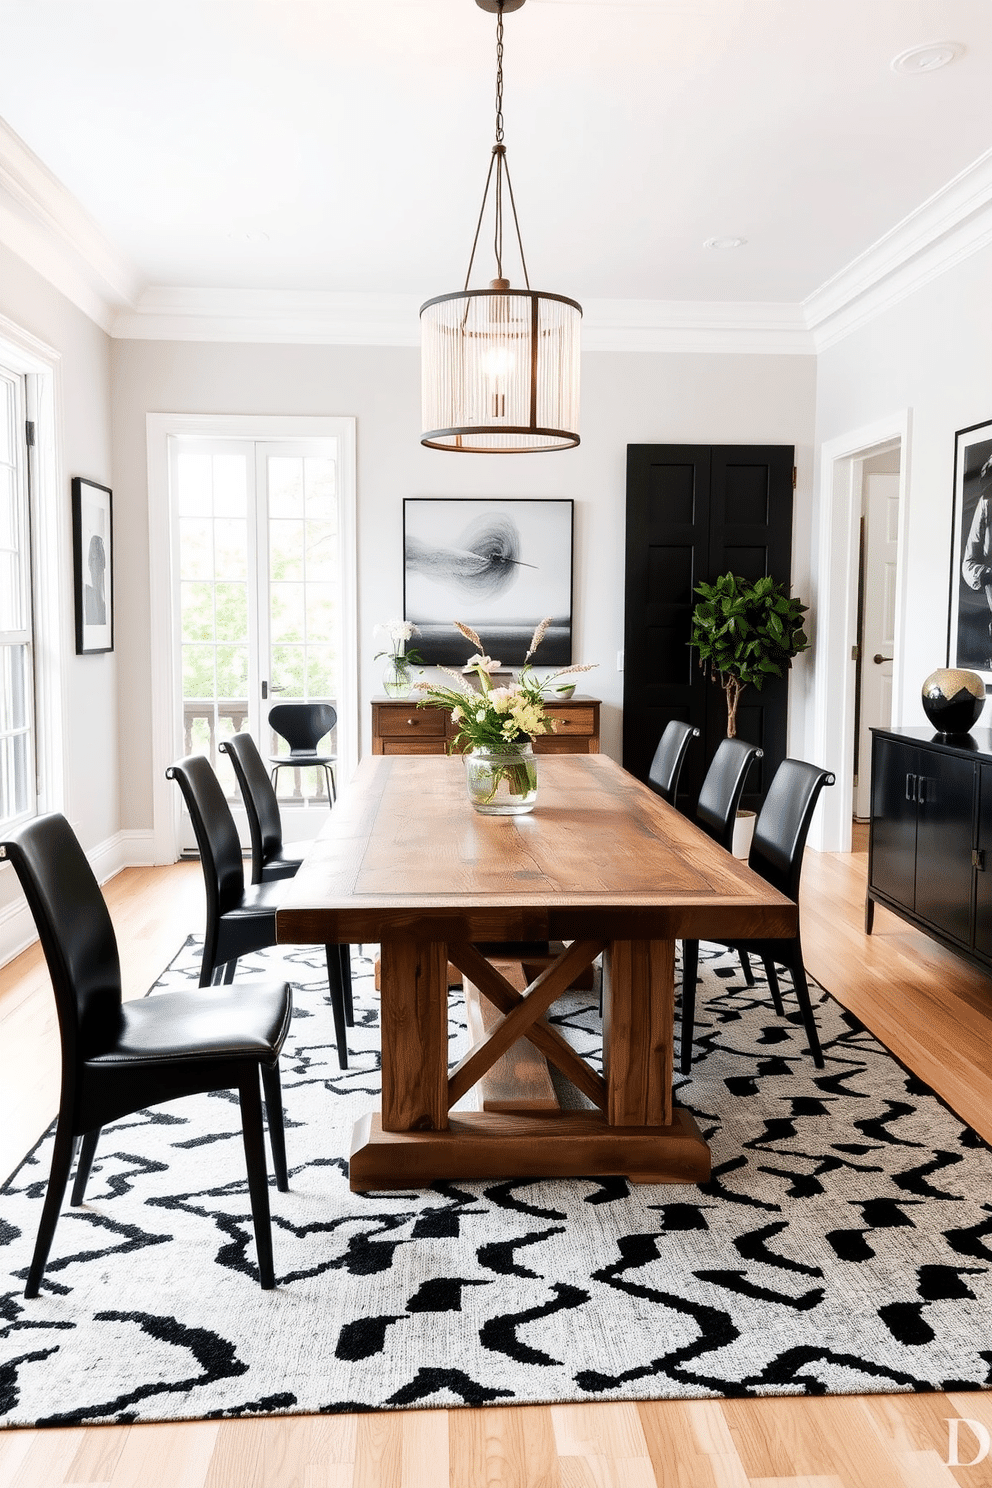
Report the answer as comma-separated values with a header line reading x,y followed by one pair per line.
x,y
930,844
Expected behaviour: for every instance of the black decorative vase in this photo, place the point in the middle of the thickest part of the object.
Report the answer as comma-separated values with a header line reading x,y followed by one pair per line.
x,y
953,699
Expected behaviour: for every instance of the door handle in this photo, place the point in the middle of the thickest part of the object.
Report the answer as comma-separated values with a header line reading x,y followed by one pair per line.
x,y
878,658
910,787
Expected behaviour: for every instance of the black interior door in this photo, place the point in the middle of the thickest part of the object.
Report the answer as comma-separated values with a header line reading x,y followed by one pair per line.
x,y
695,512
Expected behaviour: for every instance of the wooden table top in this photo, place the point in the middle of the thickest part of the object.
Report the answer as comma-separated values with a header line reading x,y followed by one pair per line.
x,y
404,854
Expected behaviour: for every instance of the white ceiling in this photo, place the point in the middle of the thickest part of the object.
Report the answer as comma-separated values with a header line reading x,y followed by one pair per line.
x,y
341,145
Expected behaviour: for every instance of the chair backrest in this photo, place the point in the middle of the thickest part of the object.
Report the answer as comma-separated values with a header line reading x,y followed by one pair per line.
x,y
783,824
261,804
303,725
216,834
666,767
76,932
723,786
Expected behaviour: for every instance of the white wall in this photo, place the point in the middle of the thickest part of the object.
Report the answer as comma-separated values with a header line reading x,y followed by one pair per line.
x,y
932,354
83,414
627,398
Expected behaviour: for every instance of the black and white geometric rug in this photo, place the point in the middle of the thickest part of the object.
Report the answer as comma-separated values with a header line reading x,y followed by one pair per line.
x,y
843,1245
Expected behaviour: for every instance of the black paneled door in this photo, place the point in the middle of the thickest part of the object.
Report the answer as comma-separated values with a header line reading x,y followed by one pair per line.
x,y
695,512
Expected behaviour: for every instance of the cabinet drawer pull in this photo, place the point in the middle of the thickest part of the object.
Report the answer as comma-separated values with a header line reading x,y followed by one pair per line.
x,y
978,859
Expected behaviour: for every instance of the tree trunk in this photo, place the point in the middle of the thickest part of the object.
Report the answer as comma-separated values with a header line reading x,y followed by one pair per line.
x,y
733,688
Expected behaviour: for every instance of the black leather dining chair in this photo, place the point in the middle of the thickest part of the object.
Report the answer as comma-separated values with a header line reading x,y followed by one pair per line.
x,y
121,1057
303,725
777,854
666,766
271,858
240,918
722,788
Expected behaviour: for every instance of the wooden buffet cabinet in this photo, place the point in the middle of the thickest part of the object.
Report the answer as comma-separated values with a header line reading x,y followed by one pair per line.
x,y
400,727
930,843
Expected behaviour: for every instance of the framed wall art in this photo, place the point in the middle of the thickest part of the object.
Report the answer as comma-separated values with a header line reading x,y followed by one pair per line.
x,y
969,639
93,565
500,566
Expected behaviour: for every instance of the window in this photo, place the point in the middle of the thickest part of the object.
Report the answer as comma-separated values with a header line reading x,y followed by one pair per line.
x,y
17,742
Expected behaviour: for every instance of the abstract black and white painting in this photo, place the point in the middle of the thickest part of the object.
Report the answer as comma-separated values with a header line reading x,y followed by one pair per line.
x,y
93,565
498,566
970,629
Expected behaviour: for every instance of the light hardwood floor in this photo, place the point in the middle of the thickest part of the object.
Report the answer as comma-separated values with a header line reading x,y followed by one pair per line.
x,y
932,1009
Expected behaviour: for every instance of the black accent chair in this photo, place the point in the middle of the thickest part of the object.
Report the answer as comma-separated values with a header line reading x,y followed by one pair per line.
x,y
666,767
241,918
777,854
121,1057
303,725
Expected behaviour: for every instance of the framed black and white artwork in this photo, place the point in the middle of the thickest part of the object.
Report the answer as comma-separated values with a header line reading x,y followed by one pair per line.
x,y
500,566
969,641
93,565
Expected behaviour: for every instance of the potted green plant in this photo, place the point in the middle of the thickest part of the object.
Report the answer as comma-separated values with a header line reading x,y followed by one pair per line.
x,y
745,633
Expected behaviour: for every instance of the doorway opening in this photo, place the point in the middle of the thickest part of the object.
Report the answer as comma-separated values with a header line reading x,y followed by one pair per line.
x,y
875,457
878,562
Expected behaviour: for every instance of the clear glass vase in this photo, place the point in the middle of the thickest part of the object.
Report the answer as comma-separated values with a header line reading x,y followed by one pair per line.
x,y
502,783
397,677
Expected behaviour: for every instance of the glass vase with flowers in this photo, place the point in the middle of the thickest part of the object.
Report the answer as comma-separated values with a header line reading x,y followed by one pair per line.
x,y
397,676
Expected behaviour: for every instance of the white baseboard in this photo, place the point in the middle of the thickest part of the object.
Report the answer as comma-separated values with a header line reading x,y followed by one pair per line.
x,y
134,849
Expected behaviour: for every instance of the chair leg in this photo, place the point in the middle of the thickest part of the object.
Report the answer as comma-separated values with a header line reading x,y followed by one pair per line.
x,y
57,1180
773,986
223,973
258,1178
272,1086
805,1006
335,981
690,965
83,1166
745,961
332,793
349,1006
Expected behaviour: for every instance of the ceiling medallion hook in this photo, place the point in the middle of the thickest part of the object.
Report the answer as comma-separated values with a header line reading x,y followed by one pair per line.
x,y
500,366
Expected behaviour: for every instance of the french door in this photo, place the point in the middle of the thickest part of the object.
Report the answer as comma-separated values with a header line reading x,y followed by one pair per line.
x,y
257,574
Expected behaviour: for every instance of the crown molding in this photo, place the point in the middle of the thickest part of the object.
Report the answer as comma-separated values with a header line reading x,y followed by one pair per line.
x,y
946,229
326,318
44,224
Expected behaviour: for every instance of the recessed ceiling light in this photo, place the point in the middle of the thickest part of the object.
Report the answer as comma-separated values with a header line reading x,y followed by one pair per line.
x,y
725,242
926,58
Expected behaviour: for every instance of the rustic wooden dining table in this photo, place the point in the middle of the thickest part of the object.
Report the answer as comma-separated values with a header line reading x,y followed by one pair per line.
x,y
601,864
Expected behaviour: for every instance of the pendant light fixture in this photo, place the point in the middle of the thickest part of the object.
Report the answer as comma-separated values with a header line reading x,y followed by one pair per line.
x,y
500,366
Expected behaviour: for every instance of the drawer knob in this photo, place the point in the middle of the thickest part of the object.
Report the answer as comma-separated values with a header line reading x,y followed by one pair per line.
x,y
411,721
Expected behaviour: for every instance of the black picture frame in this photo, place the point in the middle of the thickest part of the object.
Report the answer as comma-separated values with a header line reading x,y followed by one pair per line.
x,y
499,565
969,628
93,565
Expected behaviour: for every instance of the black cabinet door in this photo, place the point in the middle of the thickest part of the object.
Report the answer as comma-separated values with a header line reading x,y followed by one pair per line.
x,y
695,512
983,878
894,770
945,793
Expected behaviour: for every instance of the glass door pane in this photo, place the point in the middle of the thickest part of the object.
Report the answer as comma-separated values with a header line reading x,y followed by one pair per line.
x,y
216,600
299,483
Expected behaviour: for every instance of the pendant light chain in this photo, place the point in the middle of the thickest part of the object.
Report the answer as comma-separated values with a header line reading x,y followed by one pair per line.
x,y
498,159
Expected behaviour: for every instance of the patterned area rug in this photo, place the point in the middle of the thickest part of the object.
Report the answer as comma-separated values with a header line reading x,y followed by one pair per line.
x,y
844,1244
